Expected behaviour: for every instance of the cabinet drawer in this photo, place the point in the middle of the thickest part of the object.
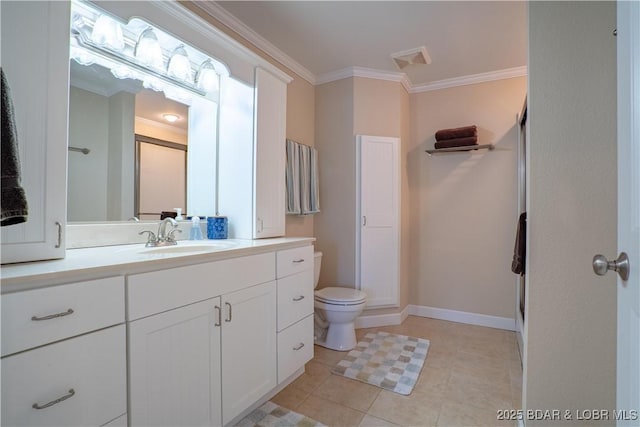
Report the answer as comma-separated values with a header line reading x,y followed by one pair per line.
x,y
295,298
37,317
92,365
158,291
295,347
294,260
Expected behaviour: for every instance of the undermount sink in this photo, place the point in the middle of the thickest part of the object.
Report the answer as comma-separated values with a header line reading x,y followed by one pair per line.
x,y
186,247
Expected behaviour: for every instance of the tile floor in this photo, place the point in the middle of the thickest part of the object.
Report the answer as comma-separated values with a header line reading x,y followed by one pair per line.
x,y
470,373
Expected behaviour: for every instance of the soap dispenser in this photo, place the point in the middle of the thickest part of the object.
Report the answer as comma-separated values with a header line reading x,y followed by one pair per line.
x,y
196,232
179,216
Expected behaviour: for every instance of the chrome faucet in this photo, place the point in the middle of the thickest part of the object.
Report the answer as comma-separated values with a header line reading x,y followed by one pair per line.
x,y
162,238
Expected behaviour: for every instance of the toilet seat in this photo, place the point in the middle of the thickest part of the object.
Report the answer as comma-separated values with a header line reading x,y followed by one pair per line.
x,y
340,296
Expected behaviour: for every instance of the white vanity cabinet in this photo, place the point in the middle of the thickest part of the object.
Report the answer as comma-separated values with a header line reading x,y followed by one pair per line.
x,y
64,356
202,341
174,367
295,309
35,60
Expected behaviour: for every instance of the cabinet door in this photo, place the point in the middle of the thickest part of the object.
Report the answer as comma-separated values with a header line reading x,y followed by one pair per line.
x,y
75,382
269,184
248,347
35,59
379,212
174,367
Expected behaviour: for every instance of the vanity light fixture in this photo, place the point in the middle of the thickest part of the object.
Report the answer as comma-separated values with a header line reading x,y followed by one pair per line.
x,y
137,50
171,118
179,65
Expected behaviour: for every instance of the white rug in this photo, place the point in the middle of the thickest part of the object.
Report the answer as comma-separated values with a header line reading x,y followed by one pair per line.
x,y
272,415
389,361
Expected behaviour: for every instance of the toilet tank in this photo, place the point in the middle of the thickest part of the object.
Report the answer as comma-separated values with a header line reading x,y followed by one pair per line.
x,y
317,260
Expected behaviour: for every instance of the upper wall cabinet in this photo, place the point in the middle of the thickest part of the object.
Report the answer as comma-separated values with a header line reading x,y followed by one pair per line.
x,y
271,117
35,60
252,164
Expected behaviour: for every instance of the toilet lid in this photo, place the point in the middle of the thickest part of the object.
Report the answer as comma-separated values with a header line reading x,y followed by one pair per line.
x,y
339,294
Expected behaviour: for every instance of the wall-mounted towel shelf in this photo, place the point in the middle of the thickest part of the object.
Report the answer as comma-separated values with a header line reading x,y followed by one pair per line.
x,y
459,149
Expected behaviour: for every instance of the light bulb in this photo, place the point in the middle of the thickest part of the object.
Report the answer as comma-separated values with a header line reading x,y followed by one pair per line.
x,y
207,78
108,33
179,65
148,50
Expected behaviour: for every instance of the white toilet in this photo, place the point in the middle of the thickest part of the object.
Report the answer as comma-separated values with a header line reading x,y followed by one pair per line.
x,y
336,309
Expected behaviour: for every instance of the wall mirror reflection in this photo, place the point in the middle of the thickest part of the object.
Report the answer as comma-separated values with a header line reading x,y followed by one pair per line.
x,y
143,121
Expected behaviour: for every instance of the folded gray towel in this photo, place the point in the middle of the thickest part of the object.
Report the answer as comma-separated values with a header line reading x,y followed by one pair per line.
x,y
13,202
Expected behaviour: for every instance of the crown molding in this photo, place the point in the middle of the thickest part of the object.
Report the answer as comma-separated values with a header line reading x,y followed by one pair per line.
x,y
226,18
218,12
506,73
371,73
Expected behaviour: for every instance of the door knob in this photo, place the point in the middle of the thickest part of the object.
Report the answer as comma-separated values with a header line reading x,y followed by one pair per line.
x,y
601,265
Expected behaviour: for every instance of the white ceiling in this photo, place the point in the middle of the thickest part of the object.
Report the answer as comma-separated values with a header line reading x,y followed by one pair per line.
x,y
324,37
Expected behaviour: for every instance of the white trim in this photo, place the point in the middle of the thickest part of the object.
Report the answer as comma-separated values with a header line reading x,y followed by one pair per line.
x,y
377,320
371,73
506,73
506,323
222,15
228,19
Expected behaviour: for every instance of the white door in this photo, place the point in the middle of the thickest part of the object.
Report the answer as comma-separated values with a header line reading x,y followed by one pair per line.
x,y
174,367
628,363
379,215
248,347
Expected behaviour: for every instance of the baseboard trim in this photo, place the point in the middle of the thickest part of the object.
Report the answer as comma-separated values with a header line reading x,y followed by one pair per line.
x,y
377,320
463,317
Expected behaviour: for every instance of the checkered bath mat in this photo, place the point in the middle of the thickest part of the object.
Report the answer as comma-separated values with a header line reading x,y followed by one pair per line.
x,y
272,415
390,361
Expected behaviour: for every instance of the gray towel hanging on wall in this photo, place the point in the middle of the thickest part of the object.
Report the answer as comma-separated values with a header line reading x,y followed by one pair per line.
x,y
14,200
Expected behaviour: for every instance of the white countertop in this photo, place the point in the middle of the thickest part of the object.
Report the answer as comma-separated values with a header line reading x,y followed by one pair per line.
x,y
95,263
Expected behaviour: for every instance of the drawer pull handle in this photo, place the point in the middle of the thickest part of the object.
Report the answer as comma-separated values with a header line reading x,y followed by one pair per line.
x,y
54,402
219,322
52,316
299,346
300,298
228,319
298,261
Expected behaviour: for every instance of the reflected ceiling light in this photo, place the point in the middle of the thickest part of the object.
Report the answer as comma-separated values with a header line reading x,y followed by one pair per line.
x,y
107,32
171,118
179,65
148,50
207,77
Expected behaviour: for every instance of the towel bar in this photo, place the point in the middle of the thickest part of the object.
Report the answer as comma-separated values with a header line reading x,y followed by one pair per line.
x,y
458,149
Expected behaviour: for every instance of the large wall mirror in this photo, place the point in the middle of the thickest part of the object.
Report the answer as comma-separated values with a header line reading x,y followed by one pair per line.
x,y
127,80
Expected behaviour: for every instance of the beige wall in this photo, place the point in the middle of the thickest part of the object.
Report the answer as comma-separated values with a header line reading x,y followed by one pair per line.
x,y
346,108
300,128
300,114
381,108
570,356
463,206
334,225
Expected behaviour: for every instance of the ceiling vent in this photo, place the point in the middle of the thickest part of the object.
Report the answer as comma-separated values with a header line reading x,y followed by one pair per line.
x,y
418,55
